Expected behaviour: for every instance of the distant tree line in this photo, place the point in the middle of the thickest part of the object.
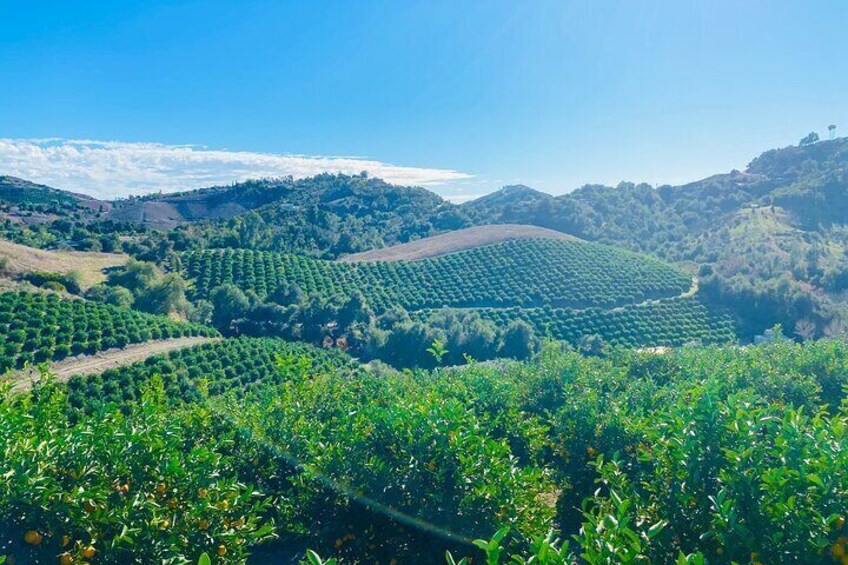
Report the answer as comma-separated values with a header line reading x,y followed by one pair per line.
x,y
348,323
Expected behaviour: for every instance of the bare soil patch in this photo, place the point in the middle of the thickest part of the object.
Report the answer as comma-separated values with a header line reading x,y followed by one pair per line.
x,y
455,241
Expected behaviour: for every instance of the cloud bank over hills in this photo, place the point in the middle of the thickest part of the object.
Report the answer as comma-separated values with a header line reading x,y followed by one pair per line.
x,y
110,169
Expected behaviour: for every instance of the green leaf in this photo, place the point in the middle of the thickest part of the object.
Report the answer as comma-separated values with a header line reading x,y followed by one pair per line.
x,y
313,558
204,560
815,479
655,530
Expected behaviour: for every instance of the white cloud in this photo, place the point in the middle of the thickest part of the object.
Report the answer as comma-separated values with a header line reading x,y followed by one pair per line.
x,y
109,169
460,198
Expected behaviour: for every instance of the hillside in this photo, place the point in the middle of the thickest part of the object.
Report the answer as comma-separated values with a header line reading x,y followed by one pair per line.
x,y
769,241
524,273
237,365
226,444
23,195
326,215
21,259
563,288
37,327
101,361
454,241
785,263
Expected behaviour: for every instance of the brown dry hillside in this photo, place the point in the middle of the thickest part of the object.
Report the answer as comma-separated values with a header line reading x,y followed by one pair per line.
x,y
454,241
23,259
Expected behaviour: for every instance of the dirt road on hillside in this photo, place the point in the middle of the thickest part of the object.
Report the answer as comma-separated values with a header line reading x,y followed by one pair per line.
x,y
104,360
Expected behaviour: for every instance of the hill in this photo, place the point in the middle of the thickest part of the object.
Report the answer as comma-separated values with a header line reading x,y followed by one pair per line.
x,y
454,241
220,447
564,288
38,327
101,361
22,198
326,215
768,241
523,273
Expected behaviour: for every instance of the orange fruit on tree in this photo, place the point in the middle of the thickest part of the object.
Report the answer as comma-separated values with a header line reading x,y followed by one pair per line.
x,y
89,552
33,538
66,539
66,559
222,550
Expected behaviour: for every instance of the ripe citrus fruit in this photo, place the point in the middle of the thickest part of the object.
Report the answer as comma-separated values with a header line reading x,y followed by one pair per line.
x,y
32,537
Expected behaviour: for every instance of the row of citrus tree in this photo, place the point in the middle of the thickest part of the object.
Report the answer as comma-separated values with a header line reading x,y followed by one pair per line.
x,y
675,321
38,327
531,272
237,365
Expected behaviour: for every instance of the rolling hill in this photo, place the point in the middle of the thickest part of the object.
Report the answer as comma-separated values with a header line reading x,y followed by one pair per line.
x,y
206,447
787,263
524,273
20,192
326,215
565,288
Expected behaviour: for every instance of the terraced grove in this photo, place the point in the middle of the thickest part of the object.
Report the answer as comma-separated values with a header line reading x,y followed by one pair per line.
x,y
675,321
519,273
38,327
240,365
565,289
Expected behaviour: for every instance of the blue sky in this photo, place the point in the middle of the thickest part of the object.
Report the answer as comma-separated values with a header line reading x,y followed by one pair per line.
x,y
462,96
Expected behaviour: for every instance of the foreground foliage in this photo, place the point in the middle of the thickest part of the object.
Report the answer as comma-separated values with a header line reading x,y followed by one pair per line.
x,y
160,486
700,455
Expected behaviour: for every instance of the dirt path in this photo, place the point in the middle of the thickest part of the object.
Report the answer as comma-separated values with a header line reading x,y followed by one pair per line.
x,y
104,360
693,290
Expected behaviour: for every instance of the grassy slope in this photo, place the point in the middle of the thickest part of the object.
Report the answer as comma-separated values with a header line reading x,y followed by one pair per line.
x,y
23,259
